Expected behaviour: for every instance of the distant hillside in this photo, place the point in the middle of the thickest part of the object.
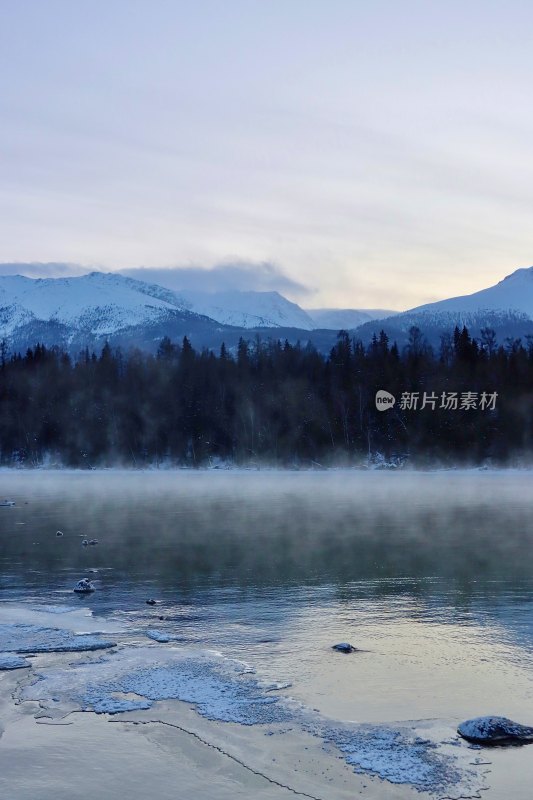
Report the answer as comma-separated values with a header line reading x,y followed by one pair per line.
x,y
513,293
345,318
507,308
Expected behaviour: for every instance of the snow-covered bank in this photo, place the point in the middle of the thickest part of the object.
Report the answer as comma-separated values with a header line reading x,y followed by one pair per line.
x,y
158,469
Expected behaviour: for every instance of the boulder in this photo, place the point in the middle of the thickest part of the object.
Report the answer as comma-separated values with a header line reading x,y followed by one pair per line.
x,y
495,730
344,647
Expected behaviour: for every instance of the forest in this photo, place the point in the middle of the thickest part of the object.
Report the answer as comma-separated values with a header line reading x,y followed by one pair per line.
x,y
469,402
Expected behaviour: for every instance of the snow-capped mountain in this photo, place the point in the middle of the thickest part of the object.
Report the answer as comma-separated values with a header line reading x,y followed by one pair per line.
x,y
98,303
248,309
513,293
87,311
336,319
507,308
434,324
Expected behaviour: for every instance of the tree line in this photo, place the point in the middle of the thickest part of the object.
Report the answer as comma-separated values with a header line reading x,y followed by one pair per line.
x,y
270,402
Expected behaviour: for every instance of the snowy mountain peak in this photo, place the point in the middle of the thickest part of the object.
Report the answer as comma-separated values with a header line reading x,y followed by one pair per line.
x,y
248,309
98,302
512,294
525,273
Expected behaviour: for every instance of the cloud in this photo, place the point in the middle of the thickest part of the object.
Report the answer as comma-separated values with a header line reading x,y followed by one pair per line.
x,y
36,269
235,276
240,275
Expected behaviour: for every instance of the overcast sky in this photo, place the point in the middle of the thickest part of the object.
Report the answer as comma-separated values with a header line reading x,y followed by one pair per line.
x,y
376,153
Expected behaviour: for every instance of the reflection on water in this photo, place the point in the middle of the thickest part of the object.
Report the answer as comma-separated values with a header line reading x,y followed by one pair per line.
x,y
429,571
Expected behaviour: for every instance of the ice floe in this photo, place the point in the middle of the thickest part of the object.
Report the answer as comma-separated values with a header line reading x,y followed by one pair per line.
x,y
158,636
21,638
118,705
221,689
12,661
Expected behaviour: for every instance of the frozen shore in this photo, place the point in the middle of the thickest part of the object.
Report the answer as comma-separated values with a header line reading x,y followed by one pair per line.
x,y
166,754
179,720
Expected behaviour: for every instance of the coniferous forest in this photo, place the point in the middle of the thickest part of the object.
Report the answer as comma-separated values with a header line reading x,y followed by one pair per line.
x,y
470,402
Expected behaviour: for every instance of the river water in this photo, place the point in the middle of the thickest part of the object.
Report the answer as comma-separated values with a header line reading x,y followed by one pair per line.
x,y
429,575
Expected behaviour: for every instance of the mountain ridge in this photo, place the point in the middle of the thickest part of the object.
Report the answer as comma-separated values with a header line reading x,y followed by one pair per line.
x,y
87,310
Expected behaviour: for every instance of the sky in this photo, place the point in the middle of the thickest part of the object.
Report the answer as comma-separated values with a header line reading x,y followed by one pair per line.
x,y
361,154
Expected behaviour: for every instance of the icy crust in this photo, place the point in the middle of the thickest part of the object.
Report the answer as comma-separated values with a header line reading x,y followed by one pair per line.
x,y
76,619
221,689
22,638
225,690
399,756
12,661
117,705
59,609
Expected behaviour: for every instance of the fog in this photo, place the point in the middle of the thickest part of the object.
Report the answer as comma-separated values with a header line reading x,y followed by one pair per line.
x,y
265,528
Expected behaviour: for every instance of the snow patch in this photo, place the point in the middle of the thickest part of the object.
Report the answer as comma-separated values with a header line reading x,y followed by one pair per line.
x,y
399,756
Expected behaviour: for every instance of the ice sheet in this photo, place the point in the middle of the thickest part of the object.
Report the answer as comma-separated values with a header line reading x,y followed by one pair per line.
x,y
226,690
21,638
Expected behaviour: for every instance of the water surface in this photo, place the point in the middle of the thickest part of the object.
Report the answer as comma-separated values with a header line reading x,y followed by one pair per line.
x,y
429,574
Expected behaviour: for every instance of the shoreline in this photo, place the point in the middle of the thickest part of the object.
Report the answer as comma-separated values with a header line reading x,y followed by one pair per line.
x,y
180,751
362,469
179,754
168,752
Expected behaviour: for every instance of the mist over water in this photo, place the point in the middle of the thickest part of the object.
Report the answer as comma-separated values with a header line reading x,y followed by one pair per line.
x,y
428,572
185,530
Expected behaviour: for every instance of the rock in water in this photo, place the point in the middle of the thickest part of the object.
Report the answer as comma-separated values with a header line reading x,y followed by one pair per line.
x,y
495,730
84,586
344,647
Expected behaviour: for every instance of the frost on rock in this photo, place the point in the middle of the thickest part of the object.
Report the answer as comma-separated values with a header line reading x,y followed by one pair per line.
x,y
495,730
21,638
12,661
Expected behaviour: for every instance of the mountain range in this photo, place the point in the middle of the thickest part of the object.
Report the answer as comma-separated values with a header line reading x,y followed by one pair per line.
x,y
88,310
